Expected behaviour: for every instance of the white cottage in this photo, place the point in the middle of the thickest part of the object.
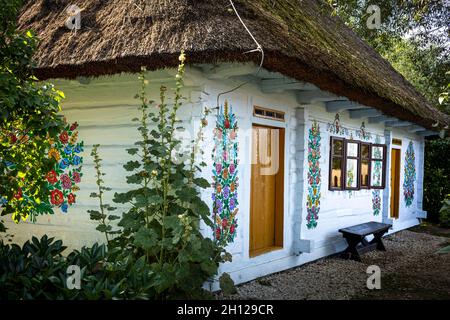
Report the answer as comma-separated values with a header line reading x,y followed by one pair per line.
x,y
329,134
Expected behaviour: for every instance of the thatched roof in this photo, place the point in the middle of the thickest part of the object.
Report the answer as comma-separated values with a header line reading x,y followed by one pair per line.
x,y
300,39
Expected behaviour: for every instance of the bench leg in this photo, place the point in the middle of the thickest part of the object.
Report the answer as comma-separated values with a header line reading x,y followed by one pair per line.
x,y
351,252
378,240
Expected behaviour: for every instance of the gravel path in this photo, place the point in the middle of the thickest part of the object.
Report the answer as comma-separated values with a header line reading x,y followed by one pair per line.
x,y
410,269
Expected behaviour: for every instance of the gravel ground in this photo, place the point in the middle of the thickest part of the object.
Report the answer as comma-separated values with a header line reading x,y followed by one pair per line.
x,y
410,269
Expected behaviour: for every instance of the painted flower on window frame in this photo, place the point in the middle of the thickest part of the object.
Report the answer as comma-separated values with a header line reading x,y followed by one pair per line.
x,y
225,180
314,177
409,175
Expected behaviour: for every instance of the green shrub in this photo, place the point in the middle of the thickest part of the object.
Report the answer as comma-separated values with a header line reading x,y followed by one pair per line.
x,y
158,252
444,213
436,176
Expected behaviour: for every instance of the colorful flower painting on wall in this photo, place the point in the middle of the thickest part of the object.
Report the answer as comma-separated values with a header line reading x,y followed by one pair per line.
x,y
376,202
362,134
409,175
336,127
225,180
62,180
314,176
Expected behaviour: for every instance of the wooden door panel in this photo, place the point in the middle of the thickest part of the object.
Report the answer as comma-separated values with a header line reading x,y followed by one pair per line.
x,y
265,205
395,183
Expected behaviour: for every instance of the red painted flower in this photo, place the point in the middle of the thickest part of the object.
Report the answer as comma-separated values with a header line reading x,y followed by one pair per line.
x,y
73,126
232,229
18,194
218,233
52,177
57,197
76,177
224,223
227,124
71,198
64,137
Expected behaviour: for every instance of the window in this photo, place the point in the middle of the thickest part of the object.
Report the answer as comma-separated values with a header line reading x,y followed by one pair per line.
x,y
356,165
268,113
352,161
336,163
365,166
378,166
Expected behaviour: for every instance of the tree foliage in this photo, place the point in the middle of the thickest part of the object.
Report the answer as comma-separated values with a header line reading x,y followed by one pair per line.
x,y
413,37
436,176
28,120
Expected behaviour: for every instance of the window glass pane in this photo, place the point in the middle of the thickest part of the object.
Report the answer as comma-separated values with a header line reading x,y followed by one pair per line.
x,y
351,179
377,173
336,173
377,152
364,150
337,147
352,149
365,173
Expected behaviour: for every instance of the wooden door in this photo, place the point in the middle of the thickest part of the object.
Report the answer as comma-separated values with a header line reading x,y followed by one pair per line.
x,y
395,182
267,179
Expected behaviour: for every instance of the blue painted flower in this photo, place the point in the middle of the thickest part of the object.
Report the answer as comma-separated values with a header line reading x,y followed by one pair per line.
x,y
226,192
64,207
218,206
213,196
232,203
78,149
68,150
3,201
64,163
76,160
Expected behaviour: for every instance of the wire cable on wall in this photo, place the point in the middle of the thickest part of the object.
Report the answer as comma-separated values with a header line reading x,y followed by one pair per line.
x,y
258,49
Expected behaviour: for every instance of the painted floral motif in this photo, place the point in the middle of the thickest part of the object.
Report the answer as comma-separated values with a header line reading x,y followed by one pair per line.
x,y
376,194
377,168
314,176
225,180
62,180
362,134
410,175
336,127
376,202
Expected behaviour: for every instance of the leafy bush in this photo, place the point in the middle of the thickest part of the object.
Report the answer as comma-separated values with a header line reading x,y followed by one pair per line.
x,y
436,177
157,253
444,213
28,120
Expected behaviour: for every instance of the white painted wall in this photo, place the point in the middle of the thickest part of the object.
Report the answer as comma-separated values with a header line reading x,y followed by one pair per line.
x,y
104,109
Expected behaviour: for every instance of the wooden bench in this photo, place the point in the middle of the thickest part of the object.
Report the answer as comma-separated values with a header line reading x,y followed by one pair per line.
x,y
356,238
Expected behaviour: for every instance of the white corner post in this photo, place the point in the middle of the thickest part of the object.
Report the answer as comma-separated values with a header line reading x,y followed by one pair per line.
x,y
387,189
420,214
297,178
